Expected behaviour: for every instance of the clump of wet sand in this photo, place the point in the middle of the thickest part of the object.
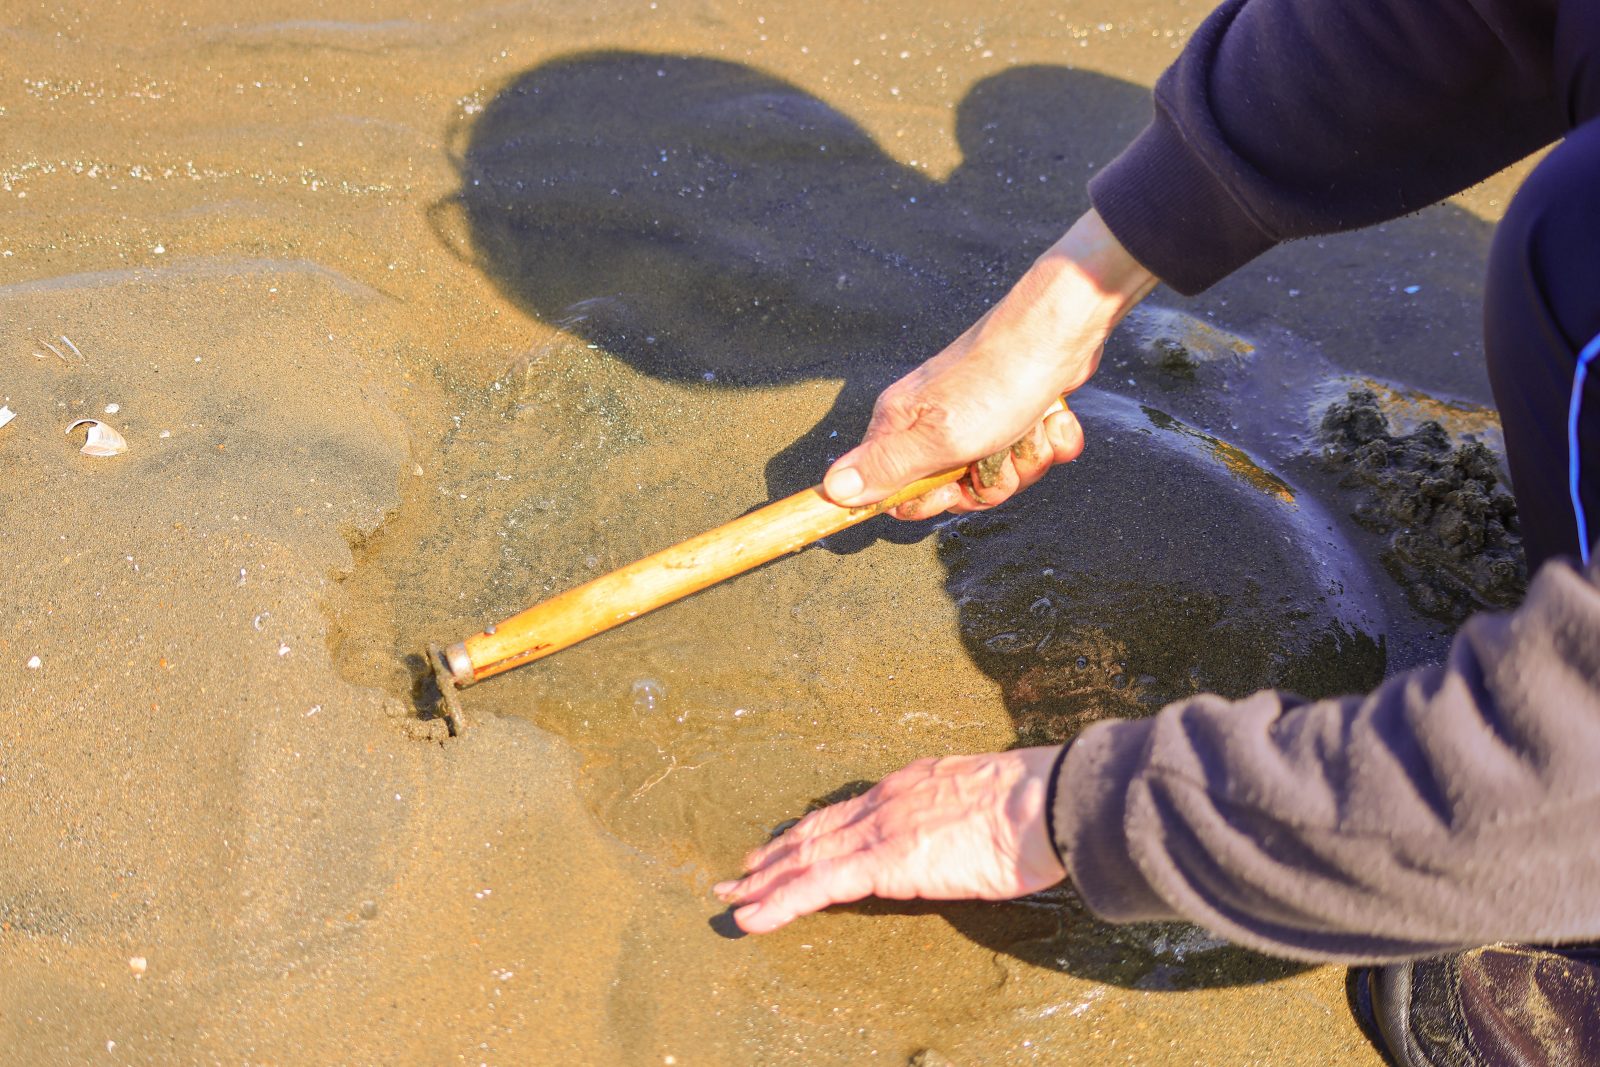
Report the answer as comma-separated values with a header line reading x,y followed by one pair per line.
x,y
1453,542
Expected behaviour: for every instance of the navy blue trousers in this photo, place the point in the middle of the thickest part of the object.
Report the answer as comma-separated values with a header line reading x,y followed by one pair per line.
x,y
1541,327
1541,332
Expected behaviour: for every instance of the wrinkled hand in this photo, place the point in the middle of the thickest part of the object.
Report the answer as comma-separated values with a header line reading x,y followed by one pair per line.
x,y
970,401
959,828
992,387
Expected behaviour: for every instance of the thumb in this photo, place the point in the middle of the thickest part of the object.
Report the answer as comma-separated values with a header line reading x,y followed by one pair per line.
x,y
877,467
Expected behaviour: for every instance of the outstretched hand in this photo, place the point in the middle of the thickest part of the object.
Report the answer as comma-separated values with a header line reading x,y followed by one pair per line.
x,y
995,385
963,827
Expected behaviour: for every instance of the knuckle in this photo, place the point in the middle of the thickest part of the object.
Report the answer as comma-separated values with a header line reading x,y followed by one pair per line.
x,y
896,404
805,854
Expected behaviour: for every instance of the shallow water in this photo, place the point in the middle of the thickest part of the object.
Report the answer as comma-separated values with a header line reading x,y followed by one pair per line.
x,y
704,726
418,316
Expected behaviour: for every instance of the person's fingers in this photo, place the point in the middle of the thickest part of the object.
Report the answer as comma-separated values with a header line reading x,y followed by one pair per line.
x,y
1032,455
783,863
988,483
831,881
892,454
814,842
789,858
1057,438
816,824
1064,433
844,483
762,880
933,502
826,821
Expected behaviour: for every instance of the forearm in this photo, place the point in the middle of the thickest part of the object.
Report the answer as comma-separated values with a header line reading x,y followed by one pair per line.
x,y
1286,118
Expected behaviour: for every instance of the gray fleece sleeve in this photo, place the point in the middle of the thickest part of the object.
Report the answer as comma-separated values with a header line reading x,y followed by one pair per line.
x,y
1454,806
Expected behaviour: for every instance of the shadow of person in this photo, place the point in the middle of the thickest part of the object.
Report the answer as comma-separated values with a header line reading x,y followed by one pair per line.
x,y
708,223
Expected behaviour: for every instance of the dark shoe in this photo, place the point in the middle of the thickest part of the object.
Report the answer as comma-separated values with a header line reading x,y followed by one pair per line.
x,y
1497,1006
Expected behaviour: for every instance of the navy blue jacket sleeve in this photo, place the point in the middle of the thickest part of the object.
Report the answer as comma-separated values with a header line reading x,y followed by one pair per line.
x,y
1287,118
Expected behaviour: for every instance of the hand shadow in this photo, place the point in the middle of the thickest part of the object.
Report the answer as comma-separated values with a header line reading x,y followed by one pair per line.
x,y
706,222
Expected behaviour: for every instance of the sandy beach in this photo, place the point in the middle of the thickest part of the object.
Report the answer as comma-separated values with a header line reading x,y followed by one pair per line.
x,y
414,312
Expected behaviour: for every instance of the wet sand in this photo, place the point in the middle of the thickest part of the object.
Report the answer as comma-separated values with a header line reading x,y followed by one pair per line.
x,y
416,313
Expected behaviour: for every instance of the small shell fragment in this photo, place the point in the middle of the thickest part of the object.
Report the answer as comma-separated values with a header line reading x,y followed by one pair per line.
x,y
6,415
103,440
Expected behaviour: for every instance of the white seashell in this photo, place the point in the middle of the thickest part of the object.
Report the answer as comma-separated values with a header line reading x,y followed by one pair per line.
x,y
6,415
103,440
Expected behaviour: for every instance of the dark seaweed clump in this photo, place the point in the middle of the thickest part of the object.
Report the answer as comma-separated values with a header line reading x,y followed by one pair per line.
x,y
1452,524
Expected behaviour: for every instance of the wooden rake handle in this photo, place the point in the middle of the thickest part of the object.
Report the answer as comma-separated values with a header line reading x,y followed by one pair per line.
x,y
612,599
787,525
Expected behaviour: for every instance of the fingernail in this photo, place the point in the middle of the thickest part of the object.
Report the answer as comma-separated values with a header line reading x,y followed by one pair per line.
x,y
844,485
